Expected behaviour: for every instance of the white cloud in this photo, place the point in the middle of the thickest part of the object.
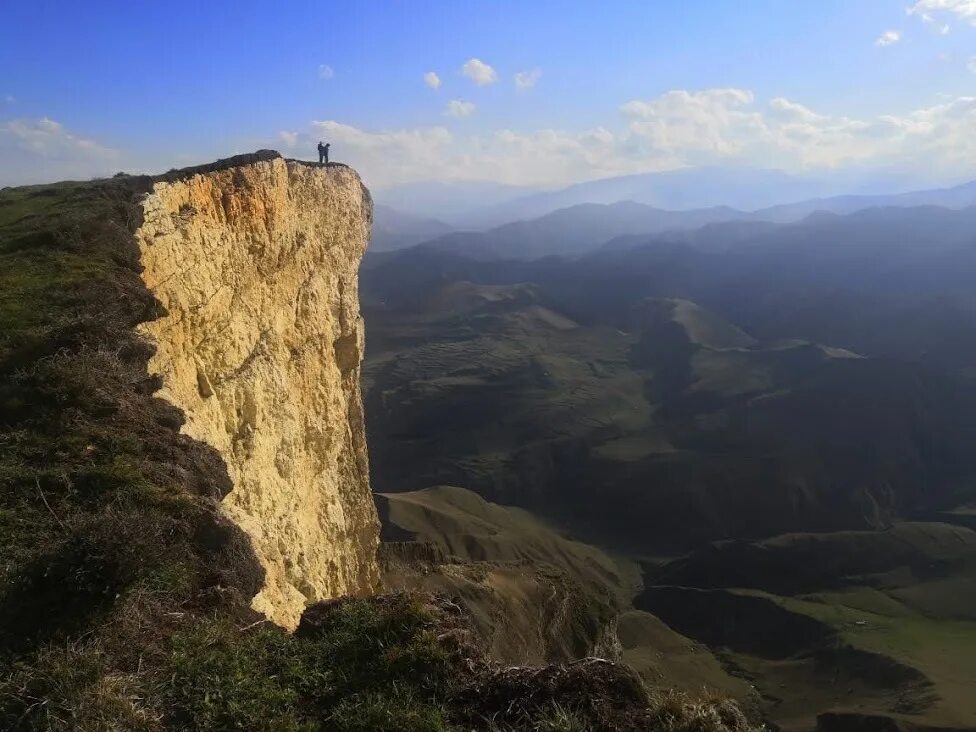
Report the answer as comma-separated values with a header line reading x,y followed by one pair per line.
x,y
35,150
712,121
781,104
326,71
728,125
479,72
963,9
432,80
888,38
540,157
47,137
418,138
527,79
929,20
290,139
550,157
676,129
459,108
389,155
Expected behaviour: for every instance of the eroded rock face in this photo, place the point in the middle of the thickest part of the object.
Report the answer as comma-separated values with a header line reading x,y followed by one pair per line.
x,y
257,267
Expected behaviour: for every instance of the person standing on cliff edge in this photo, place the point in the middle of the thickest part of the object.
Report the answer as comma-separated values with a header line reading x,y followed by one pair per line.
x,y
324,153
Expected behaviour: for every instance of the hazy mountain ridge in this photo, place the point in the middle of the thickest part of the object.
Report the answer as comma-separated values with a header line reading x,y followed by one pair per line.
x,y
771,195
452,202
684,189
575,230
394,229
582,227
880,281
960,196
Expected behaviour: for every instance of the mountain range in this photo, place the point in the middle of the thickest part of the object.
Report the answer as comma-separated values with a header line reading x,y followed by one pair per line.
x,y
778,195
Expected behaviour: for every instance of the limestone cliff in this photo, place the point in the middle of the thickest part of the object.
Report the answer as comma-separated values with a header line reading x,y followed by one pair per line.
x,y
256,265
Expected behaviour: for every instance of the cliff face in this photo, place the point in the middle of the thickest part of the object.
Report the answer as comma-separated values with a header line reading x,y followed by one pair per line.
x,y
257,267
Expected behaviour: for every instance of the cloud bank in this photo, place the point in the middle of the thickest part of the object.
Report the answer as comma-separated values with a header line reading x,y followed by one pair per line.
x,y
677,129
680,128
962,9
35,150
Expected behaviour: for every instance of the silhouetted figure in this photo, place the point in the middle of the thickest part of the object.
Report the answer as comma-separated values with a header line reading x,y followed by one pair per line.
x,y
324,152
327,145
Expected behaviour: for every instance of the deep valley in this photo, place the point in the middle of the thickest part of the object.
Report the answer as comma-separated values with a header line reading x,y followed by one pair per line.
x,y
774,422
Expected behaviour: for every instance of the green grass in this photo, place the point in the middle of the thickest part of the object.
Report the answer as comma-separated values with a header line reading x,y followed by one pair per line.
x,y
557,719
368,666
53,241
943,650
372,666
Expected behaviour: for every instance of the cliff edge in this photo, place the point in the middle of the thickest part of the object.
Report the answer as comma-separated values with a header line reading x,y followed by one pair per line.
x,y
182,458
260,347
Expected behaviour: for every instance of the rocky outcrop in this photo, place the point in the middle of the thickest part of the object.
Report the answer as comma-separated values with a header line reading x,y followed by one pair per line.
x,y
256,262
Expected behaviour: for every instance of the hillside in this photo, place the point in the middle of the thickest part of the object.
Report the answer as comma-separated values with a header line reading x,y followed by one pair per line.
x,y
393,229
889,612
574,230
767,195
182,470
535,592
686,426
535,596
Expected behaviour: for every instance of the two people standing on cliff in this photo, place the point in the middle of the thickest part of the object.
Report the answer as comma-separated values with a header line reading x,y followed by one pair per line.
x,y
324,152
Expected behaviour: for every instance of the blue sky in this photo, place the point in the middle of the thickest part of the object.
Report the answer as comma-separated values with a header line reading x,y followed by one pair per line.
x,y
607,88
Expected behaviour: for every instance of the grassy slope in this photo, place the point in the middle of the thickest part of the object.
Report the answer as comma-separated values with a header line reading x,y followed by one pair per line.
x,y
941,649
473,529
497,553
483,387
904,595
534,595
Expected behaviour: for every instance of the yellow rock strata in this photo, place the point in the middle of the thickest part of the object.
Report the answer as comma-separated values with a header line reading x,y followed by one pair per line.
x,y
257,266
